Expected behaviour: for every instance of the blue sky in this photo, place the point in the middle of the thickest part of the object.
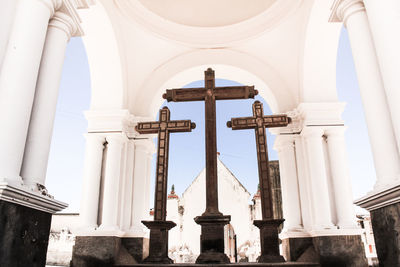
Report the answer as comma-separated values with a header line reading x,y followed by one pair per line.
x,y
237,148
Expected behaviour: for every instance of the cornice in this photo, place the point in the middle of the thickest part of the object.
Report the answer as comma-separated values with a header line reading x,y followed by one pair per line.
x,y
341,10
380,198
31,199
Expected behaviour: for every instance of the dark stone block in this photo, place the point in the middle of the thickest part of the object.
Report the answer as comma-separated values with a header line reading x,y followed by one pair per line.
x,y
212,239
24,235
138,247
293,248
386,227
335,251
95,251
340,251
249,264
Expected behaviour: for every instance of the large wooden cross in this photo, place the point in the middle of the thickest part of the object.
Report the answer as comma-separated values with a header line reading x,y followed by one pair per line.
x,y
163,127
268,225
209,94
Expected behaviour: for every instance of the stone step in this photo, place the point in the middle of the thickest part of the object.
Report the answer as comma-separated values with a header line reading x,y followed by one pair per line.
x,y
243,264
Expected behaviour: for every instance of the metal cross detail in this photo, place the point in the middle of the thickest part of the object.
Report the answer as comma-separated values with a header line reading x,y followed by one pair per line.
x,y
209,95
259,122
163,127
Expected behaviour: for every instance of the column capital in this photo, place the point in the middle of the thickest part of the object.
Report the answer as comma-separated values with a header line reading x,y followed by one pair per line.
x,y
343,9
115,139
334,131
145,145
52,5
65,23
283,142
311,132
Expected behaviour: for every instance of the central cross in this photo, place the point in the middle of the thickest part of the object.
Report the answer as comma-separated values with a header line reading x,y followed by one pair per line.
x,y
212,221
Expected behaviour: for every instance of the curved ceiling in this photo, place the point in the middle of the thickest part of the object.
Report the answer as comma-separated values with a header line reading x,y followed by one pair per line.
x,y
207,23
207,13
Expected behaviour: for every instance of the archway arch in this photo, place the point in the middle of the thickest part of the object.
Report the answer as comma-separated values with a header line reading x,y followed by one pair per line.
x,y
228,64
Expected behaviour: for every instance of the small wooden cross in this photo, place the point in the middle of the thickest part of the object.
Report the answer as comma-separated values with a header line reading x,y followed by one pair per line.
x,y
259,122
163,127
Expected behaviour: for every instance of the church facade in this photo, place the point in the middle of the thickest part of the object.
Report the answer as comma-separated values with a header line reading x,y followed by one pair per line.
x,y
136,49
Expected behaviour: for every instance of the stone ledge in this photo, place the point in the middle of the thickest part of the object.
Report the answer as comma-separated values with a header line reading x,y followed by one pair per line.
x,y
247,264
30,199
379,199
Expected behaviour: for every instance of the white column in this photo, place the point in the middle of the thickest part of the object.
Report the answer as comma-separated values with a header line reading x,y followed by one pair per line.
x,y
18,79
91,181
128,186
384,21
304,184
112,177
340,177
380,129
38,142
140,178
284,144
150,152
318,180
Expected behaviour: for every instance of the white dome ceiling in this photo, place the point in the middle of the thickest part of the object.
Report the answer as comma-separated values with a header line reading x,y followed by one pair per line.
x,y
207,13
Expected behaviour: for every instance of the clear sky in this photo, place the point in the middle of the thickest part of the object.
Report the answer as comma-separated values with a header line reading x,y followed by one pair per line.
x,y
237,148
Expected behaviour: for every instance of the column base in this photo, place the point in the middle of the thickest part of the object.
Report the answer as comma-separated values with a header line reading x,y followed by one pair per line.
x,y
269,240
158,252
24,235
386,226
101,251
333,250
212,247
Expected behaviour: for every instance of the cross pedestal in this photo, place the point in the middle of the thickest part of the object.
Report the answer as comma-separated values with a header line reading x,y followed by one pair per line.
x,y
212,238
158,251
269,240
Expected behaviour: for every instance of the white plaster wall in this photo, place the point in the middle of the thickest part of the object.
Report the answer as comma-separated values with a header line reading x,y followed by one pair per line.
x,y
233,200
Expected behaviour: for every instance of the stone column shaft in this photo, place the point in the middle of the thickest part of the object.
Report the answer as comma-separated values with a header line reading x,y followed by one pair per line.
x,y
112,178
340,177
318,178
289,182
384,22
141,175
379,123
91,181
18,79
37,147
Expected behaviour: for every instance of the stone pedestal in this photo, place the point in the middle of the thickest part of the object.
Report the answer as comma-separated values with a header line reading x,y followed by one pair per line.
x,y
269,239
386,227
212,238
24,235
336,250
158,251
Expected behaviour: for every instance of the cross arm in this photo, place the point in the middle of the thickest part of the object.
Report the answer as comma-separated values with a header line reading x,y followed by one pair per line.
x,y
235,92
185,95
242,123
181,126
276,121
147,127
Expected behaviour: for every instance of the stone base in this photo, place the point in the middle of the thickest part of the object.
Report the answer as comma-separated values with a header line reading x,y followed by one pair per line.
x,y
138,247
247,264
269,240
386,227
158,252
212,238
103,251
335,251
24,235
